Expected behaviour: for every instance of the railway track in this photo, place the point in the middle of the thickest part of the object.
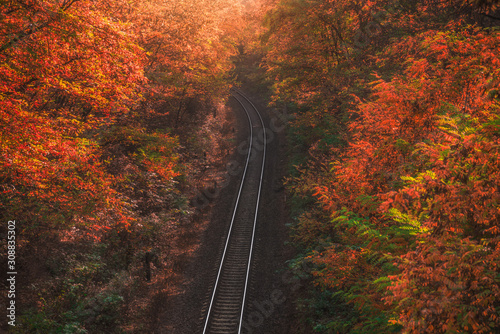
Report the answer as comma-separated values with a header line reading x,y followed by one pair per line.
x,y
226,309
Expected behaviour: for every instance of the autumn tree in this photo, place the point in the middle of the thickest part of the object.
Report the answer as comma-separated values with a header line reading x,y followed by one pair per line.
x,y
89,94
401,222
65,70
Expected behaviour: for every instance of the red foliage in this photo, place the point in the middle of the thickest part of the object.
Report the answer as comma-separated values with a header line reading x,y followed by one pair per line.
x,y
69,71
417,188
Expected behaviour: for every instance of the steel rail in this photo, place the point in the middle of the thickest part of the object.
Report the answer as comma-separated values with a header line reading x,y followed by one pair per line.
x,y
256,207
252,239
232,221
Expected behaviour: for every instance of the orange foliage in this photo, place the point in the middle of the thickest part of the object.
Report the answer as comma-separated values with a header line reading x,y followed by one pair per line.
x,y
414,197
70,71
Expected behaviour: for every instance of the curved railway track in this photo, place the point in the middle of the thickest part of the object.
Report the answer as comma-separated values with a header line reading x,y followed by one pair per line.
x,y
226,309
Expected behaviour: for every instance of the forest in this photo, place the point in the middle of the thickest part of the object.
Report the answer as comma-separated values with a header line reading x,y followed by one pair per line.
x,y
395,176
112,111
107,112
